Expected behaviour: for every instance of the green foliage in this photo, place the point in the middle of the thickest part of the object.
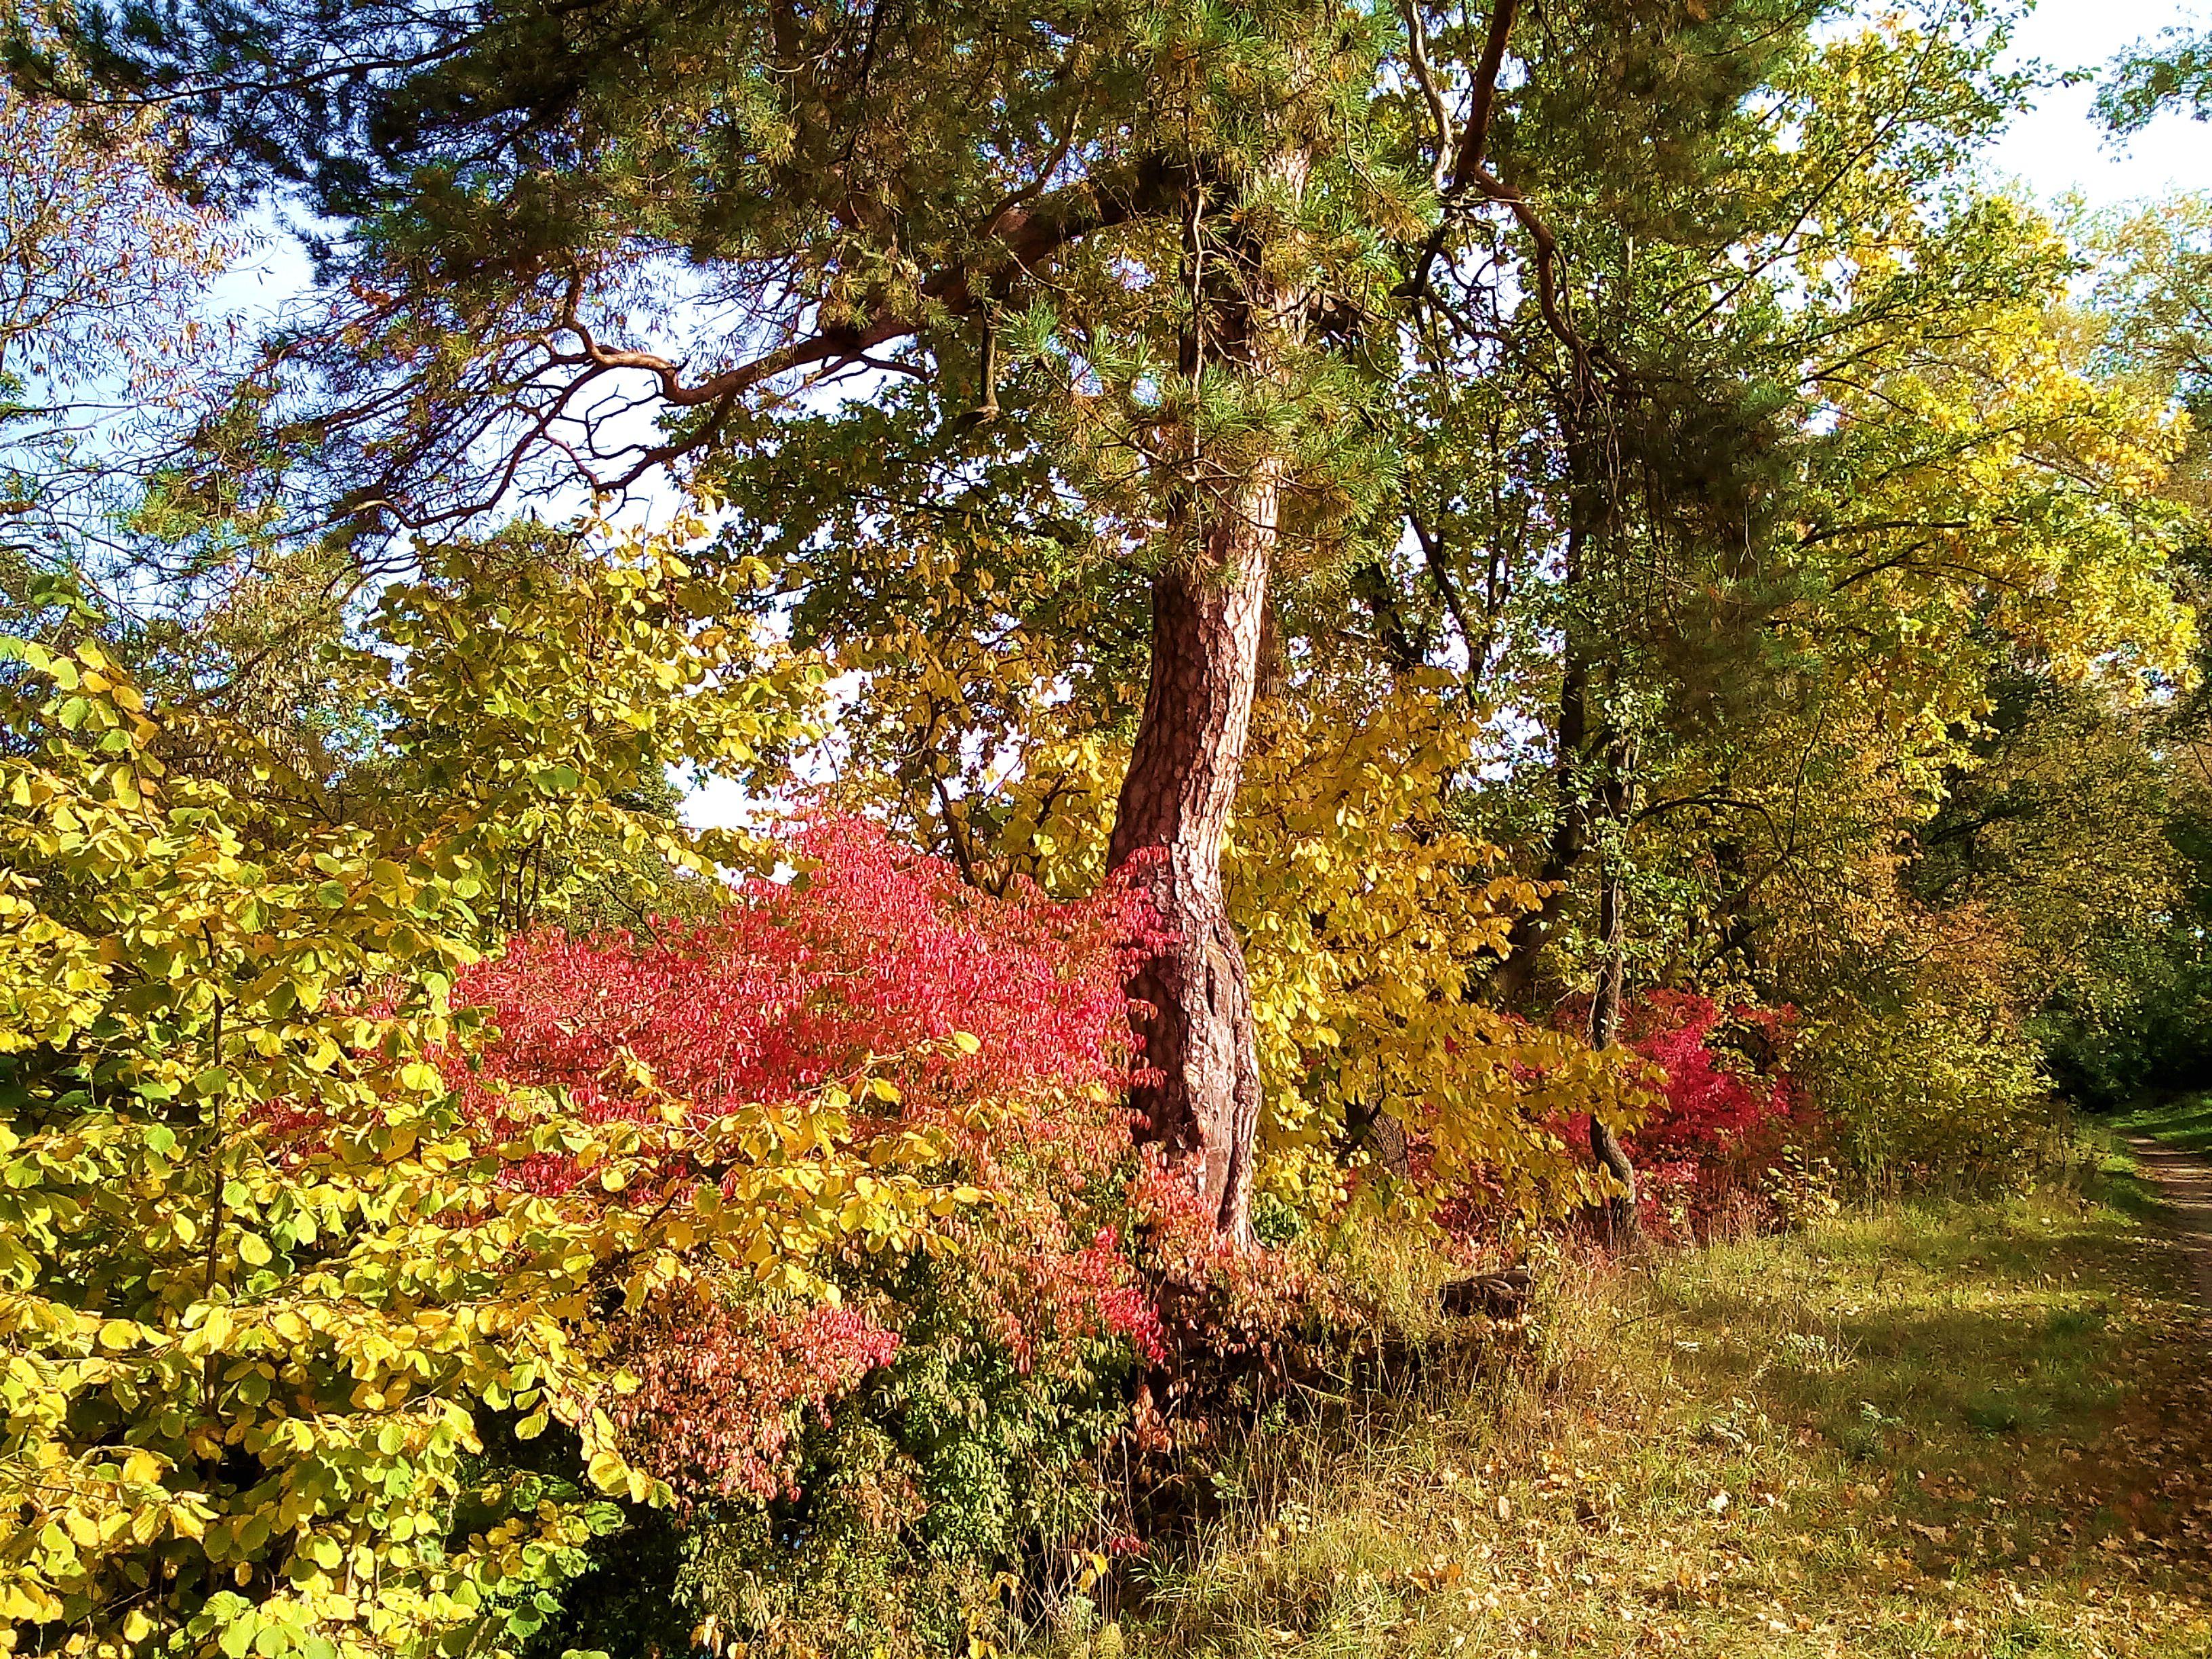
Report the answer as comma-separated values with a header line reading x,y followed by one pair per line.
x,y
967,1462
522,702
265,1282
2141,84
1930,1093
2185,1121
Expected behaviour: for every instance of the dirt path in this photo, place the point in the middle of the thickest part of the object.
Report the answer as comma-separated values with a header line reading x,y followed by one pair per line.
x,y
2184,1181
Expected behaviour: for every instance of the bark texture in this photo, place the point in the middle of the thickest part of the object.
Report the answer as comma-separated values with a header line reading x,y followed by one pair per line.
x,y
1203,1103
1209,617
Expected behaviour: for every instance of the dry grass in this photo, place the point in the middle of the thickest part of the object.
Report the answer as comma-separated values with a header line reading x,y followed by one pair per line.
x,y
1941,1429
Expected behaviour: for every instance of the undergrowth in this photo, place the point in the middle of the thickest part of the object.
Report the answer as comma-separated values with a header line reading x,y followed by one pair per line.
x,y
1936,1428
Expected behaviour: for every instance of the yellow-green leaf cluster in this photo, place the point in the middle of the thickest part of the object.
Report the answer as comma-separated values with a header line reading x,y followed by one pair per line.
x,y
266,1276
1372,919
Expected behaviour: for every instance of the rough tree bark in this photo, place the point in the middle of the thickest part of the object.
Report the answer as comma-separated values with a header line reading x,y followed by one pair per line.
x,y
1204,1106
1209,609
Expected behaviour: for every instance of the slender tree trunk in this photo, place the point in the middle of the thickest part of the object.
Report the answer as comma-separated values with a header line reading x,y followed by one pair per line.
x,y
1620,1216
1203,1103
1570,839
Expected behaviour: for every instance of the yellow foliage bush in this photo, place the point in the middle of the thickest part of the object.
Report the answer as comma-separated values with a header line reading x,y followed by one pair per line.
x,y
261,1278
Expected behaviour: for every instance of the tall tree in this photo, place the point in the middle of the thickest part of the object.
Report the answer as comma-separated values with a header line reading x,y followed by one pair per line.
x,y
580,243
103,271
1096,336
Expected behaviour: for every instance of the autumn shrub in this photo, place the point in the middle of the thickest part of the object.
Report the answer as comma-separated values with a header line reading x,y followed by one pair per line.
x,y
1929,1095
1722,1104
776,1275
936,1447
937,1498
302,1349
1764,1114
1375,917
1726,1108
864,1454
940,1498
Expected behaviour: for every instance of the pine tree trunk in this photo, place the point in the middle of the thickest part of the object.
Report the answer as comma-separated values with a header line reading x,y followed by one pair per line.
x,y
1203,1105
1209,613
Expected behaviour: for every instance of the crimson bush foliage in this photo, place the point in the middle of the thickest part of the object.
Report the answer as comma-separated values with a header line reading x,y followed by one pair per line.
x,y
917,1418
1725,1107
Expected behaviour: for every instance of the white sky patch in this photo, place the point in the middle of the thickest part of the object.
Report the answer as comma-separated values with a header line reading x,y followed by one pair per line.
x,y
2061,148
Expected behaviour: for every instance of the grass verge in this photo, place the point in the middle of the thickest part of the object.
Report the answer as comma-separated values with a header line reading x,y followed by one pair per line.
x,y
2183,1120
1938,1429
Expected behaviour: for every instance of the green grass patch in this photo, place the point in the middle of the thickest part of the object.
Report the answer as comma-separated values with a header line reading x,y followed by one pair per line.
x,y
2184,1120
2105,1172
1954,1429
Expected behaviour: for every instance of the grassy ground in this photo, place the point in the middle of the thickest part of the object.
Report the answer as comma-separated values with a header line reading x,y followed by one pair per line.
x,y
1942,1429
2184,1120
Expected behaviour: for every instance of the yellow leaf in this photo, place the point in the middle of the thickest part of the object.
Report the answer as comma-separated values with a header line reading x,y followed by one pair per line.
x,y
609,1473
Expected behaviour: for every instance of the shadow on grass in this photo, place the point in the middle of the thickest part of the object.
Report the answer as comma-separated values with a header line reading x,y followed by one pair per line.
x,y
1938,1429
1936,1331
2115,1179
2183,1120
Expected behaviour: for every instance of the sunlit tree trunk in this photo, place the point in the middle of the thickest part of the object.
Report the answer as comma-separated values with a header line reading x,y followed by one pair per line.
x,y
1203,1103
1209,610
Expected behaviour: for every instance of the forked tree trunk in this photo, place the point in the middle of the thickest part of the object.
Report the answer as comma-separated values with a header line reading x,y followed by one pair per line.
x,y
1203,1104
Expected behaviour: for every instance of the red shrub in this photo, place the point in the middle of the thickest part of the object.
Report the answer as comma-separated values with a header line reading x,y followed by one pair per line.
x,y
871,959
1727,1101
868,963
723,1390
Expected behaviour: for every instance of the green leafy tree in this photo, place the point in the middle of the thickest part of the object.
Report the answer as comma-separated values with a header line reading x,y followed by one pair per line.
x,y
103,272
2173,73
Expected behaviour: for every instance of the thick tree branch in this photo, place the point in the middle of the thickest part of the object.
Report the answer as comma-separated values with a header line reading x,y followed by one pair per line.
x,y
1024,235
1474,135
